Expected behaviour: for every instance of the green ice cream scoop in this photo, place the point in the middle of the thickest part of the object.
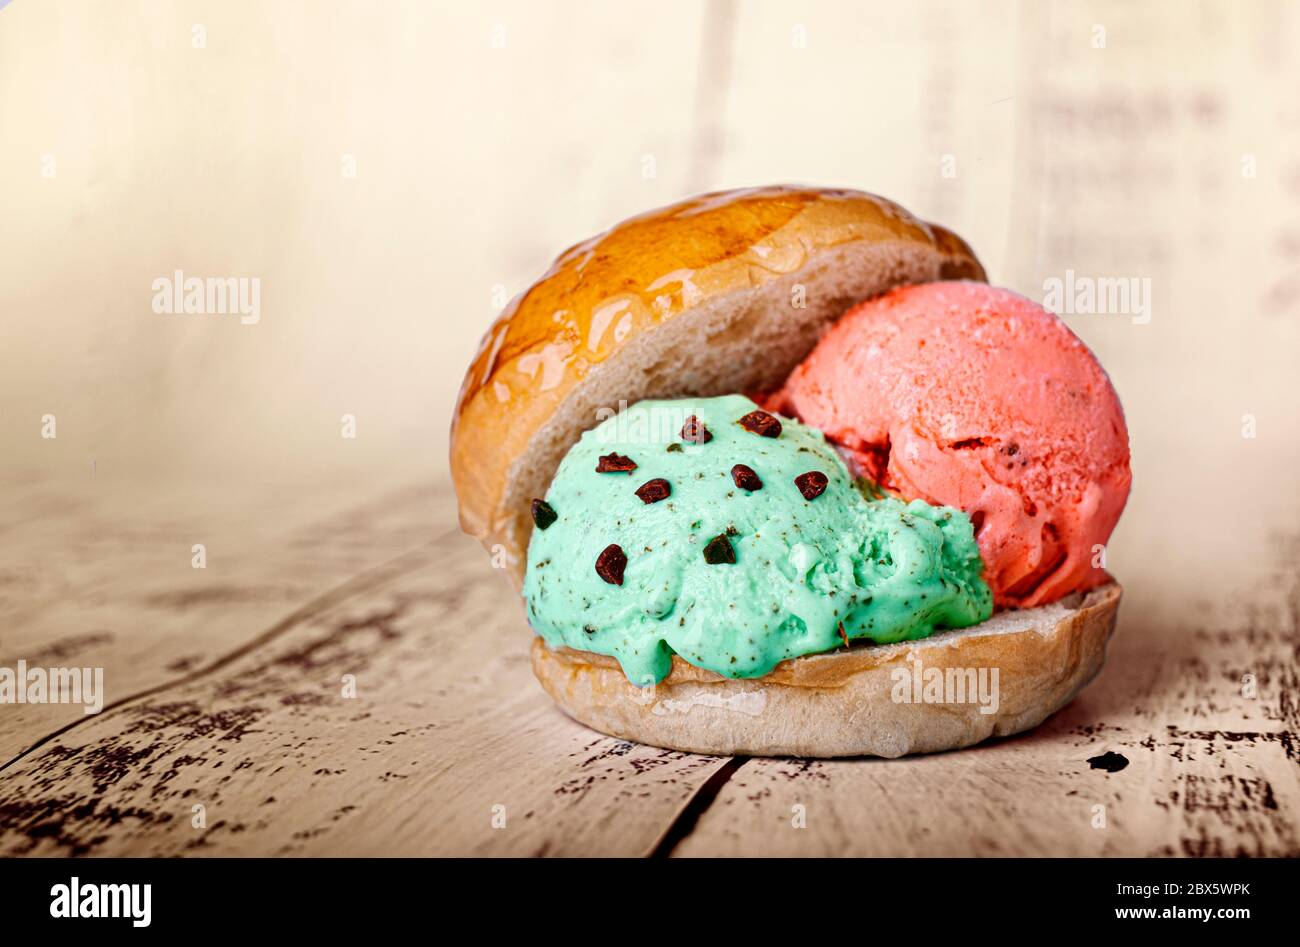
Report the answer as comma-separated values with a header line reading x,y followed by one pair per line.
x,y
709,529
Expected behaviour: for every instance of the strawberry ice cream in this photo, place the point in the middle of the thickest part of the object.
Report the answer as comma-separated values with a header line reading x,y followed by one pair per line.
x,y
966,395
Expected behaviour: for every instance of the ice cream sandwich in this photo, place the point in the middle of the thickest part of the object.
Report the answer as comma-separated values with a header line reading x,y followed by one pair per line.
x,y
774,472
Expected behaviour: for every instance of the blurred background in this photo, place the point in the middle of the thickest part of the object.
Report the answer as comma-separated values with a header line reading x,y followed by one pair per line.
x,y
394,172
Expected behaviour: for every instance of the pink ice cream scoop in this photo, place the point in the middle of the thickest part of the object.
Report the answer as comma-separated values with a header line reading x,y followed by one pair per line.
x,y
971,396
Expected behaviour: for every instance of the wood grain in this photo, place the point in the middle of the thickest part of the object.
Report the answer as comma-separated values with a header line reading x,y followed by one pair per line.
x,y
226,683
1206,770
99,573
447,725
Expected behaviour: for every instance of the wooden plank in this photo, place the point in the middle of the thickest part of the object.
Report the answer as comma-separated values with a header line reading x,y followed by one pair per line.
x,y
447,724
1208,771
100,574
1067,156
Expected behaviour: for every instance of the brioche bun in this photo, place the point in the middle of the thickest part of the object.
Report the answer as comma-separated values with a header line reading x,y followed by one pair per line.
x,y
843,703
721,294
718,294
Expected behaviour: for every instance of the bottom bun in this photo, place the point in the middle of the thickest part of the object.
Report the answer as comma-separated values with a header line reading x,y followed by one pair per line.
x,y
947,691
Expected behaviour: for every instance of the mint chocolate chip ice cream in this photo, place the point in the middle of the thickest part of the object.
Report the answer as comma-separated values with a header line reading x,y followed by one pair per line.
x,y
715,531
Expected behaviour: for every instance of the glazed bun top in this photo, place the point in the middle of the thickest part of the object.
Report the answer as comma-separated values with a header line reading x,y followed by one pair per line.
x,y
718,294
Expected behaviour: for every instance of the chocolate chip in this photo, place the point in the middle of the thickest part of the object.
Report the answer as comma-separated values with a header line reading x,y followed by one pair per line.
x,y
610,564
745,478
674,448
543,515
811,484
761,423
719,551
652,491
694,431
615,463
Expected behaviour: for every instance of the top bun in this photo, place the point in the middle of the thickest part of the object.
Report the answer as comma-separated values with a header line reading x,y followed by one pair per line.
x,y
719,294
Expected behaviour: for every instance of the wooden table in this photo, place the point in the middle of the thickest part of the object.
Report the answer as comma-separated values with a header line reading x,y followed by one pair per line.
x,y
227,731
394,175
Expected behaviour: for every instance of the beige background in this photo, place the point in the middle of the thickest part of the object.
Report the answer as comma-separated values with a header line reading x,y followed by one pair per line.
x,y
475,165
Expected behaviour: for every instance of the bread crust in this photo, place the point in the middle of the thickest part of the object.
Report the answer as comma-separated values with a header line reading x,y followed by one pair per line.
x,y
723,264
843,703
